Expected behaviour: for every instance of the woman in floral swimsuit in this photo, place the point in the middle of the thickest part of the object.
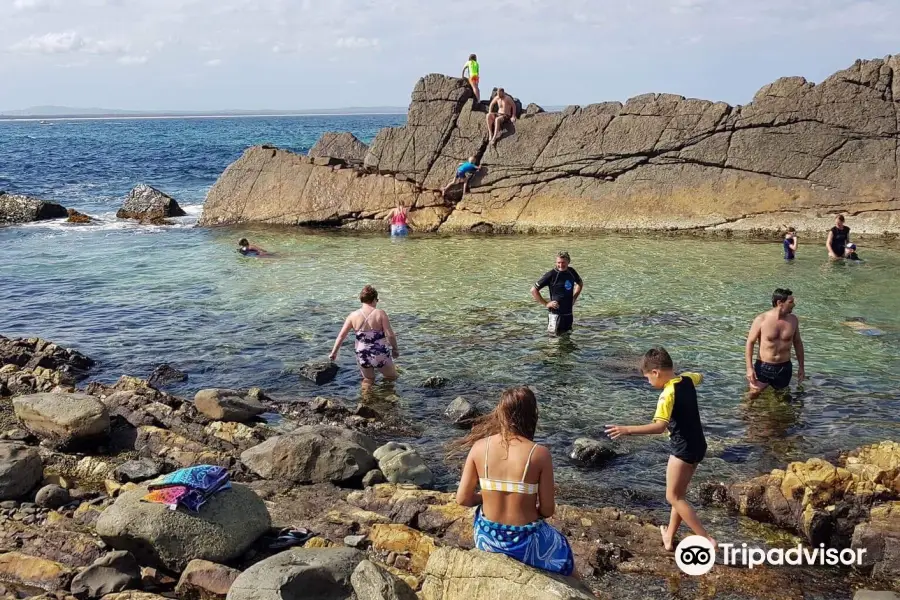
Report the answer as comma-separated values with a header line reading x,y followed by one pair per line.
x,y
373,335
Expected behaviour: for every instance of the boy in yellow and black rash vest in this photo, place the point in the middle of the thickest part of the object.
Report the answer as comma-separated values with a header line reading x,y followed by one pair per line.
x,y
677,411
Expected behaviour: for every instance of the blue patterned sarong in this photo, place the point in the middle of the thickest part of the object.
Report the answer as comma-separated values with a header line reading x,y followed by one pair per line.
x,y
190,487
537,544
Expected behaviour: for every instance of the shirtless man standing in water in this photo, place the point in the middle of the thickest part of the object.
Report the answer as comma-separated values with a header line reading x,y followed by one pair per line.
x,y
776,331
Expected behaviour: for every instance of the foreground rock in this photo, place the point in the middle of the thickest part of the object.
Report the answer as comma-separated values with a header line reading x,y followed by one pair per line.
x,y
880,537
223,529
400,463
115,572
146,203
453,574
204,580
63,418
797,153
15,208
343,146
32,353
374,583
21,469
227,405
313,455
819,500
34,572
299,573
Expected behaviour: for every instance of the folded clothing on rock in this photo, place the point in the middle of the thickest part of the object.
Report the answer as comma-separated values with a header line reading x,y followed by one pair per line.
x,y
190,487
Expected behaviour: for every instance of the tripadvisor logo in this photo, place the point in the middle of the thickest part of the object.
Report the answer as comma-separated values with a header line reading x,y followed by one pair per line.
x,y
695,555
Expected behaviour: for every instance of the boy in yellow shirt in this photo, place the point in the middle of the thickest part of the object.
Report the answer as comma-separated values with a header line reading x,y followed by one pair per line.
x,y
678,412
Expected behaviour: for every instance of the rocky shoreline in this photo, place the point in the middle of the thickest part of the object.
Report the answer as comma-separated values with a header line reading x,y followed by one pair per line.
x,y
797,155
75,462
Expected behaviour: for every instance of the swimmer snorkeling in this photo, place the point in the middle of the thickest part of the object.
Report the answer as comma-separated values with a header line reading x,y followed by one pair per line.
x,y
248,249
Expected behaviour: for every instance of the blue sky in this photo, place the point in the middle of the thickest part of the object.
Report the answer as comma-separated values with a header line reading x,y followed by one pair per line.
x,y
296,54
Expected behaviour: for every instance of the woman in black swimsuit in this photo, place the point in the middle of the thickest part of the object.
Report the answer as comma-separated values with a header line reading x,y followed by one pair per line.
x,y
838,238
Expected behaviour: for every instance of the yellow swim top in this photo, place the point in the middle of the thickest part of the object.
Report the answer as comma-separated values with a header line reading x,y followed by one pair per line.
x,y
503,485
472,66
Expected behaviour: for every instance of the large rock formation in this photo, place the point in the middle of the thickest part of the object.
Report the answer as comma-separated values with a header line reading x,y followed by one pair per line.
x,y
15,208
798,153
344,146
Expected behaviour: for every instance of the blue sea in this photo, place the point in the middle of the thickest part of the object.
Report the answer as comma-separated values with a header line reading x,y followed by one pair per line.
x,y
134,296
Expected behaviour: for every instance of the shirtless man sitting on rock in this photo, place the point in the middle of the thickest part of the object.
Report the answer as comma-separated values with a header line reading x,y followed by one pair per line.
x,y
776,331
506,114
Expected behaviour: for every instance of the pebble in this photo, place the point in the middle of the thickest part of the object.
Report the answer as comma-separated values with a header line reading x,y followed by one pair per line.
x,y
6,504
354,541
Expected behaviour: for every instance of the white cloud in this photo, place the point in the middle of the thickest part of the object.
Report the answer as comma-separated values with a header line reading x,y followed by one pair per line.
x,y
24,5
214,62
67,42
132,60
287,48
356,42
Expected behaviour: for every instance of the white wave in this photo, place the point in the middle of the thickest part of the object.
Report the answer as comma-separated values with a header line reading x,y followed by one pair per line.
x,y
106,222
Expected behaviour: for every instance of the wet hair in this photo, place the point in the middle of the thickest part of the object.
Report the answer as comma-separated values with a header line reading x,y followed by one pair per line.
x,y
564,255
500,91
368,295
473,57
515,415
840,218
656,358
243,242
781,295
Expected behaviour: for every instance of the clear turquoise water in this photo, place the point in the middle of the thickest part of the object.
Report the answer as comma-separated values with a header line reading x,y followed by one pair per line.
x,y
133,297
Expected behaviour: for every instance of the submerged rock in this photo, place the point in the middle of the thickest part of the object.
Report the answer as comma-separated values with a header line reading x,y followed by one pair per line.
x,y
77,217
319,372
15,208
165,375
462,413
146,203
594,453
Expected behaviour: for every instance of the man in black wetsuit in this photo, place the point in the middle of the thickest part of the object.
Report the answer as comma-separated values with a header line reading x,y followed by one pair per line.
x,y
838,238
565,287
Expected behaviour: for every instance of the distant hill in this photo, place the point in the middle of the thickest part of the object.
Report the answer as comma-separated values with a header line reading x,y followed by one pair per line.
x,y
68,111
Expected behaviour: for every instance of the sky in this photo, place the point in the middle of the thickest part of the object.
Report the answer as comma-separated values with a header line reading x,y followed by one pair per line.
x,y
302,54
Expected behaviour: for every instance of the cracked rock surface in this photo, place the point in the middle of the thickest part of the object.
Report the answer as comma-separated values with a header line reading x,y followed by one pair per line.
x,y
798,154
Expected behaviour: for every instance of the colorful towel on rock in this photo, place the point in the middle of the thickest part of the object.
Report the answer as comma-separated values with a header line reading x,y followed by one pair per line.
x,y
190,487
537,544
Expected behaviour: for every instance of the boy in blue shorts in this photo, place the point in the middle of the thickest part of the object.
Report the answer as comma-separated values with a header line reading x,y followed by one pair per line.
x,y
678,412
464,172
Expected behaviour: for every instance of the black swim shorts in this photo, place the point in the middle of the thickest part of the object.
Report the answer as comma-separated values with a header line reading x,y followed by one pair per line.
x,y
776,375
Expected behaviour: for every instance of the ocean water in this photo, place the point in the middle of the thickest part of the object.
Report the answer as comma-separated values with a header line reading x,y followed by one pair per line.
x,y
135,296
